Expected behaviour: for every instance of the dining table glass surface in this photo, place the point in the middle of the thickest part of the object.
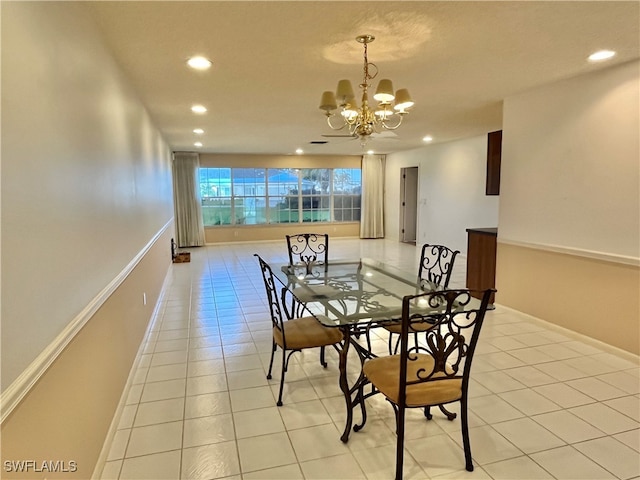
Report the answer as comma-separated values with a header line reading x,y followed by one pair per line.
x,y
356,293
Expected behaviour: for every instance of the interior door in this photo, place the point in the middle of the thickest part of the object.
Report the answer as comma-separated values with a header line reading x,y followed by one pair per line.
x,y
408,204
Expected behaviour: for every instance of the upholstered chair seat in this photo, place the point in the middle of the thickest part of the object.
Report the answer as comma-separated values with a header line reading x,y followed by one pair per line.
x,y
305,332
384,373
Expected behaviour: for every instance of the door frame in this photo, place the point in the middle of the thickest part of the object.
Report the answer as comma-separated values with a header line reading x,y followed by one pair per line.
x,y
408,221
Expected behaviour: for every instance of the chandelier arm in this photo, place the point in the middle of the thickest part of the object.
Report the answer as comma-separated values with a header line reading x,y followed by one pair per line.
x,y
332,127
391,127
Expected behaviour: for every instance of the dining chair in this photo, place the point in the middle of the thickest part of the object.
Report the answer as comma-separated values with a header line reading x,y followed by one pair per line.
x,y
295,334
435,371
309,249
311,252
436,266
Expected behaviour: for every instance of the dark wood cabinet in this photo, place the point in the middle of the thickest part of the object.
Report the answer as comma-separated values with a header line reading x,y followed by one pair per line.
x,y
494,159
481,258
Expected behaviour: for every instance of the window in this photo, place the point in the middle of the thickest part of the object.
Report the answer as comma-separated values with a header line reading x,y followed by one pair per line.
x,y
253,196
215,190
347,189
249,202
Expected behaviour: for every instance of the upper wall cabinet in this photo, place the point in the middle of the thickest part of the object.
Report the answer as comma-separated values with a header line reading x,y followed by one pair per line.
x,y
494,155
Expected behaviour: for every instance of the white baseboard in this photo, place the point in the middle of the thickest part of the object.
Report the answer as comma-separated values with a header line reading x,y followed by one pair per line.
x,y
576,335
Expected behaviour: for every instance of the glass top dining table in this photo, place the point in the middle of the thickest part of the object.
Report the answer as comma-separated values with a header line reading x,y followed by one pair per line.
x,y
355,296
354,293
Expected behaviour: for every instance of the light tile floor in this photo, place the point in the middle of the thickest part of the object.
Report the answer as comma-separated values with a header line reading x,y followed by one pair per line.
x,y
544,403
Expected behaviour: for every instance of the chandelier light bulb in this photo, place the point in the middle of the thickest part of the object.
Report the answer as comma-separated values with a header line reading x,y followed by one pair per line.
x,y
384,113
328,102
349,114
384,93
403,100
344,91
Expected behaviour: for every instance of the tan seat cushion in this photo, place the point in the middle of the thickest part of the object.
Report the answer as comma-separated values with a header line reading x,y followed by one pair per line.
x,y
306,332
415,327
316,292
384,374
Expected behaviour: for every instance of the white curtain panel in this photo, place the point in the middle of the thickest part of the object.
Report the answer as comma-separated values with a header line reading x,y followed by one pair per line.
x,y
187,200
372,214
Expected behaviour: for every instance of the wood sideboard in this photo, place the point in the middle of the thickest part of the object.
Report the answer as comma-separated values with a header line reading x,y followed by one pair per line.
x,y
481,258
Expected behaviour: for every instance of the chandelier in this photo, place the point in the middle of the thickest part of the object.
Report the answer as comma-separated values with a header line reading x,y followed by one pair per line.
x,y
365,120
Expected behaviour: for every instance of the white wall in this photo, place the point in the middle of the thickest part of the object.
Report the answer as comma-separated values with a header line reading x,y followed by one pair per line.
x,y
85,175
451,191
571,164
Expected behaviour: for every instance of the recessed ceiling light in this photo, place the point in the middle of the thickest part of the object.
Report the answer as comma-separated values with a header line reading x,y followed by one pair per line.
x,y
198,131
427,139
601,55
197,144
369,152
199,63
198,109
299,151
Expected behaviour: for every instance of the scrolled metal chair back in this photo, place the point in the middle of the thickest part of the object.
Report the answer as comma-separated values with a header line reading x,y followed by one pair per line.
x,y
450,342
436,264
309,249
272,294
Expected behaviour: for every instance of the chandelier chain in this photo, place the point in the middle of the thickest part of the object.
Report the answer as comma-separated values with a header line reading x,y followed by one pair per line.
x,y
368,64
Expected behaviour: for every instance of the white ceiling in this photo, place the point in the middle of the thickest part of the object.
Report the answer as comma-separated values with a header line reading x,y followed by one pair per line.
x,y
272,60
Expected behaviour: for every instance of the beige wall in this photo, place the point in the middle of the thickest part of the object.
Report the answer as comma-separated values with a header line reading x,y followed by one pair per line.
x,y
248,233
569,223
67,414
280,161
597,298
